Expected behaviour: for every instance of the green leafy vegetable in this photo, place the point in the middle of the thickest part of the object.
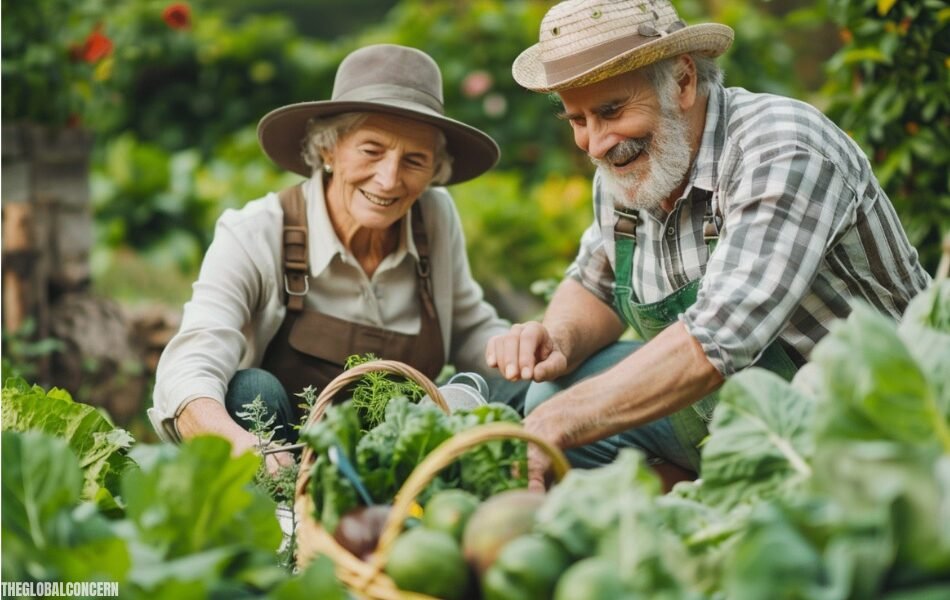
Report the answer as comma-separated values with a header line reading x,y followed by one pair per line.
x,y
101,447
761,440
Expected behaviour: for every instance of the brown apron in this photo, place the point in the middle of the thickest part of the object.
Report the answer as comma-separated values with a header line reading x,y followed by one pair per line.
x,y
311,348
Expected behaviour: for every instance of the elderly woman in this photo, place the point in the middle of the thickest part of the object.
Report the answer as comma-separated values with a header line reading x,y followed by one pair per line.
x,y
366,255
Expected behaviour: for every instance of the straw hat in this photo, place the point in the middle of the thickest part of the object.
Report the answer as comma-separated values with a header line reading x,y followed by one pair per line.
x,y
586,41
383,78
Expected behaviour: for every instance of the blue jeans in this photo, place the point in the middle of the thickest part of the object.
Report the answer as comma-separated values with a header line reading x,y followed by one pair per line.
x,y
655,439
248,384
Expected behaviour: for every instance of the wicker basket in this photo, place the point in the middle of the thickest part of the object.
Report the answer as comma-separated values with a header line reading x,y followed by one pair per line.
x,y
367,579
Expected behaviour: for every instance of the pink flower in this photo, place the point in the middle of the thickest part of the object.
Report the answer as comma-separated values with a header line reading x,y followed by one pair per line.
x,y
477,83
177,15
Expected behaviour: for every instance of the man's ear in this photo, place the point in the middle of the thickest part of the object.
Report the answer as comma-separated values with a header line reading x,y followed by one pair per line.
x,y
687,85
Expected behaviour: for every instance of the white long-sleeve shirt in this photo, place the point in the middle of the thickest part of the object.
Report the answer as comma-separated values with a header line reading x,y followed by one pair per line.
x,y
237,304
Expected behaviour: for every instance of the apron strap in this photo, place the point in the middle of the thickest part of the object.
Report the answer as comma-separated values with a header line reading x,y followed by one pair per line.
x,y
294,247
423,268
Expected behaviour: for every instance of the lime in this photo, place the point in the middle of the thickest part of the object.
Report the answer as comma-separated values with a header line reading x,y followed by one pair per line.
x,y
429,562
449,511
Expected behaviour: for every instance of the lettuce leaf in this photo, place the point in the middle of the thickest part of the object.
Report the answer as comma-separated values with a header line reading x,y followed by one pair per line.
x,y
101,447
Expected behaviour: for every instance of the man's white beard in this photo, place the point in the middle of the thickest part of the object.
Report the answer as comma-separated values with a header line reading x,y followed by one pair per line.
x,y
669,161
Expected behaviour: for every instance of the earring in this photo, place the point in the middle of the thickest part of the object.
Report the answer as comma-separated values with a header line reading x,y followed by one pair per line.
x,y
327,169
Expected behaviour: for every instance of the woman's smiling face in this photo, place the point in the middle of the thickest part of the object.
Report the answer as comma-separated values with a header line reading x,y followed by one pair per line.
x,y
380,168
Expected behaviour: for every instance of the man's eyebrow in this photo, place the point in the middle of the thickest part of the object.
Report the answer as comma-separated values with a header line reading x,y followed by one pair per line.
x,y
602,109
610,106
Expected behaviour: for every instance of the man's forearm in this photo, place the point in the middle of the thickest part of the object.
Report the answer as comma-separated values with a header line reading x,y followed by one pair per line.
x,y
667,374
580,323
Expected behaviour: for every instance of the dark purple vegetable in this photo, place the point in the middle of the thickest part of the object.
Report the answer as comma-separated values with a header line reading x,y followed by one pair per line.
x,y
359,529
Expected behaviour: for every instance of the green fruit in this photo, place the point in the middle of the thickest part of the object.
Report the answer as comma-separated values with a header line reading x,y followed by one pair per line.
x,y
449,511
429,562
593,578
528,567
497,521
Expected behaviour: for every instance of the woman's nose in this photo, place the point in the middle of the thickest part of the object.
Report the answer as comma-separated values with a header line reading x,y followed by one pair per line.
x,y
387,172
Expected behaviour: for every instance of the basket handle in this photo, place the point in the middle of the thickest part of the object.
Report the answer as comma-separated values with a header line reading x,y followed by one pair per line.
x,y
442,457
341,382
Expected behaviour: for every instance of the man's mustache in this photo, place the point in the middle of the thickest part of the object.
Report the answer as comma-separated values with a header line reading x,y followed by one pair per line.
x,y
624,151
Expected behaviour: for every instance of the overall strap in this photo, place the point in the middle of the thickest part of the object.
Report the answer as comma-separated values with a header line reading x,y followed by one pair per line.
x,y
423,268
294,246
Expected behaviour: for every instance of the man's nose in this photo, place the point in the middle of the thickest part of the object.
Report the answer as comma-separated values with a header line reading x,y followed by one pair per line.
x,y
599,143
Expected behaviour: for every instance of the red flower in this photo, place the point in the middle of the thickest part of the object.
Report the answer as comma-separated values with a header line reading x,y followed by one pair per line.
x,y
96,47
177,15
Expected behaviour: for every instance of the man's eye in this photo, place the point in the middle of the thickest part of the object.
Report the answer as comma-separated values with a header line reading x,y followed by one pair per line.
x,y
577,121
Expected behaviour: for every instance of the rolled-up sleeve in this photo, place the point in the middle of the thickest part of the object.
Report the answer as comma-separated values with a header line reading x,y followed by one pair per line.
x,y
783,208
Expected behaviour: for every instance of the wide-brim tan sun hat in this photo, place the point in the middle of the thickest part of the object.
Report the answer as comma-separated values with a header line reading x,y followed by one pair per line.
x,y
585,41
388,79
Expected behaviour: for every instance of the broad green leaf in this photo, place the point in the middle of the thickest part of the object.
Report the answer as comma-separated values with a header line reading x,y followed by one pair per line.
x,y
925,328
760,440
100,446
196,497
41,478
874,387
316,581
899,489
773,555
45,535
567,514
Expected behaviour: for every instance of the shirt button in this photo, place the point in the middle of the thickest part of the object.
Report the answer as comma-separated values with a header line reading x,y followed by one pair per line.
x,y
670,232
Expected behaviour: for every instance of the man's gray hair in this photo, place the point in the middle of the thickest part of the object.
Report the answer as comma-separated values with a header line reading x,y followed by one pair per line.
x,y
323,134
667,72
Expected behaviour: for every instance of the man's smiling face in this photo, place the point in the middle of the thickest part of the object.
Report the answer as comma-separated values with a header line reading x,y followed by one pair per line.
x,y
638,138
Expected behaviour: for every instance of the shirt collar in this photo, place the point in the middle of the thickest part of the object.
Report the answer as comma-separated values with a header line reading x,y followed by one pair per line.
x,y
323,241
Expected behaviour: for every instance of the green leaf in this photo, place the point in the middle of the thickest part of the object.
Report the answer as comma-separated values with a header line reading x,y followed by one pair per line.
x,y
100,446
858,55
196,497
45,535
316,581
874,386
41,477
885,6
760,439
586,505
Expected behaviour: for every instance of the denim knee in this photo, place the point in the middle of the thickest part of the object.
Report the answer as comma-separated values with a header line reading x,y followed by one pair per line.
x,y
607,357
247,385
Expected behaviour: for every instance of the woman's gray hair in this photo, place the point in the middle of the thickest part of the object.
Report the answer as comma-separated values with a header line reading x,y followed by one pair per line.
x,y
323,134
665,73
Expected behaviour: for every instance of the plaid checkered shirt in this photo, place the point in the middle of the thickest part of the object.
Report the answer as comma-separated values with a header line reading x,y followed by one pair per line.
x,y
806,229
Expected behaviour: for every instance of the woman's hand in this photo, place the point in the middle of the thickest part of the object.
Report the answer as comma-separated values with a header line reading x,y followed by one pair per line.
x,y
528,351
206,416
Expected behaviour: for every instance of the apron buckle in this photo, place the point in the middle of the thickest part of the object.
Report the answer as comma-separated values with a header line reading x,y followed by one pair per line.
x,y
306,286
626,223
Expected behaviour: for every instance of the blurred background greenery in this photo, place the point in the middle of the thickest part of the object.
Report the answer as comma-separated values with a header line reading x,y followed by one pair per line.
x,y
174,108
173,91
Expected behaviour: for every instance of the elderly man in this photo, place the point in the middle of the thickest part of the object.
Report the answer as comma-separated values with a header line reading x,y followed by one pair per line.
x,y
730,229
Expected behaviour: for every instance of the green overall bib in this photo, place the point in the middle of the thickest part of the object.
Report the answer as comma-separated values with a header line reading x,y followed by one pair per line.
x,y
690,425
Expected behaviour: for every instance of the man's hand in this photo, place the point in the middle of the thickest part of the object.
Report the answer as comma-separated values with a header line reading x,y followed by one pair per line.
x,y
527,351
547,426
